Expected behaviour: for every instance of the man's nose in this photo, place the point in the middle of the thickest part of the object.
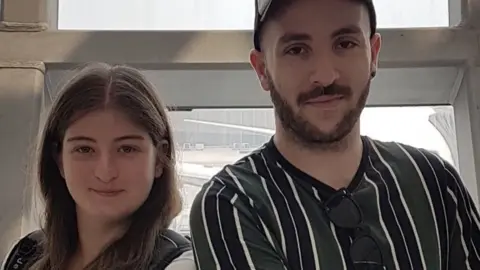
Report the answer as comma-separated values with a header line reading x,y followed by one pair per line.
x,y
325,72
106,169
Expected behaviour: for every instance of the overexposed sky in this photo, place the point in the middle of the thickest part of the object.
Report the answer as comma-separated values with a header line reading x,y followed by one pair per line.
x,y
408,125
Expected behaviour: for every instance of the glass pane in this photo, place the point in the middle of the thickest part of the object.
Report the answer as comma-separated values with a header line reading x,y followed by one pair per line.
x,y
220,14
209,139
412,13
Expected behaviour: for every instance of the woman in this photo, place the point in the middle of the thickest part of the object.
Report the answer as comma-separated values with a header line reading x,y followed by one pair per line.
x,y
106,170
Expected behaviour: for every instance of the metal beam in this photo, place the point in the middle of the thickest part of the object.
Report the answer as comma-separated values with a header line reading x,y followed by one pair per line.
x,y
52,14
471,13
455,12
467,125
1,10
186,89
222,49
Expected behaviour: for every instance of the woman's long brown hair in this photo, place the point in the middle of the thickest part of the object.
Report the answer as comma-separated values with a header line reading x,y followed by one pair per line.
x,y
94,87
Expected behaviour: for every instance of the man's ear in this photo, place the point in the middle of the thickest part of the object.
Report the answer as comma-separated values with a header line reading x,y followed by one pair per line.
x,y
376,45
257,61
162,150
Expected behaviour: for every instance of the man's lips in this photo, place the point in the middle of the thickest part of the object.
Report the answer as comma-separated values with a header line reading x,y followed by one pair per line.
x,y
325,99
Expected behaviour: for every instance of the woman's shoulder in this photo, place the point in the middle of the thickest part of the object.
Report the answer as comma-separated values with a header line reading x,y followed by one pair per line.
x,y
174,252
185,261
23,250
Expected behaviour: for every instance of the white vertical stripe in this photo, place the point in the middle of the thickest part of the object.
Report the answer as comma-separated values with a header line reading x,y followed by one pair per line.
x,y
404,203
387,194
474,248
432,208
454,198
463,196
470,216
286,203
307,221
205,226
382,223
474,217
221,228
275,211
240,234
442,200
477,225
241,188
194,252
460,226
239,185
277,216
334,231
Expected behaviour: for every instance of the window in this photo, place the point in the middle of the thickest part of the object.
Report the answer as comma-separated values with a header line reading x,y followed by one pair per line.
x,y
220,14
209,139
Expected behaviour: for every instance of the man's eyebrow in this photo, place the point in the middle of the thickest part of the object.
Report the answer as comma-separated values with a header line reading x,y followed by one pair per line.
x,y
289,37
350,29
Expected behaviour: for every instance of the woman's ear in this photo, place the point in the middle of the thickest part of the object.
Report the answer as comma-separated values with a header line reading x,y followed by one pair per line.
x,y
162,151
158,171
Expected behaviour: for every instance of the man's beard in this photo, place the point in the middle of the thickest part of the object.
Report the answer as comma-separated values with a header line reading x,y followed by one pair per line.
x,y
306,133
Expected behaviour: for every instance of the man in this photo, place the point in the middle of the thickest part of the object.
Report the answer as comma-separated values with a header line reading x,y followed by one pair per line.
x,y
319,195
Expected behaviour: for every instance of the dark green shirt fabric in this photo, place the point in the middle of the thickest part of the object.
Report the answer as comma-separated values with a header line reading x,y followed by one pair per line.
x,y
263,213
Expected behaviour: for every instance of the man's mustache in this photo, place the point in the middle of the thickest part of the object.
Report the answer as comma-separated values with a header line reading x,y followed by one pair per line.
x,y
333,89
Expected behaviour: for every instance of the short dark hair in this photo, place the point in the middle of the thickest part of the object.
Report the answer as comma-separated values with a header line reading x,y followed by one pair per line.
x,y
268,9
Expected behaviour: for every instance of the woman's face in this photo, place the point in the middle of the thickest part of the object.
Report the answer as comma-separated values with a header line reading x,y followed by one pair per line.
x,y
109,164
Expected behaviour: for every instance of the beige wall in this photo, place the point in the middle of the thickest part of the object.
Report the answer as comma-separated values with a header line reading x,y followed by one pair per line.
x,y
15,11
21,87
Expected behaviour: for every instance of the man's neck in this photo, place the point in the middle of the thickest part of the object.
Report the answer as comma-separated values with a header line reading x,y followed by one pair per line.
x,y
93,236
335,167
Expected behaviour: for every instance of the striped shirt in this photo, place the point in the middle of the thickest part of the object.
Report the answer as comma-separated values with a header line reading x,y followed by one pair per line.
x,y
263,213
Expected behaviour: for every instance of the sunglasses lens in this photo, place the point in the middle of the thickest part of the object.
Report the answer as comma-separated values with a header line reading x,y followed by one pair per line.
x,y
365,251
344,212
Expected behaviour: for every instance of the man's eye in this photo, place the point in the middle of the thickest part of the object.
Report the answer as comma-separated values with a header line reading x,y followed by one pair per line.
x,y
345,44
296,50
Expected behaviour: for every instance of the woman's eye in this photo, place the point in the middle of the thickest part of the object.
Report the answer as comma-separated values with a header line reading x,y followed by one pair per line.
x,y
84,149
127,149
